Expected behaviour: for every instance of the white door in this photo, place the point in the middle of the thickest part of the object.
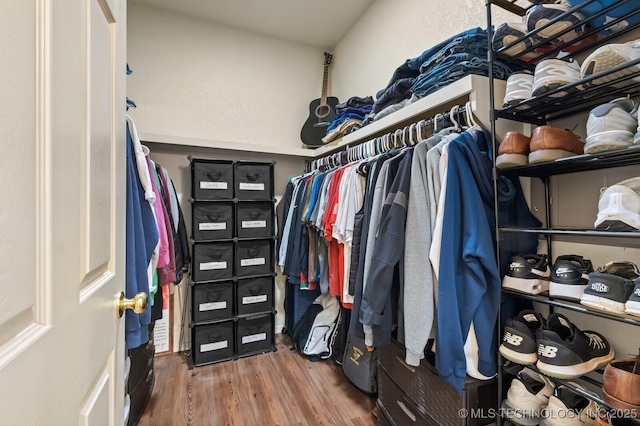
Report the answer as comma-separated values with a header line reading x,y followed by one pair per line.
x,y
62,210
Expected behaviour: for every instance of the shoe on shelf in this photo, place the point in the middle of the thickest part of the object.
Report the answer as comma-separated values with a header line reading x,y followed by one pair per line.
x,y
619,206
513,150
569,277
528,273
632,306
518,88
621,268
549,144
519,341
551,74
565,351
540,15
568,408
611,126
527,397
609,56
593,8
508,33
607,292
621,385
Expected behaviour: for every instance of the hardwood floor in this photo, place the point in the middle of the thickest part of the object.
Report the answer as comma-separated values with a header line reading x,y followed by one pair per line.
x,y
279,388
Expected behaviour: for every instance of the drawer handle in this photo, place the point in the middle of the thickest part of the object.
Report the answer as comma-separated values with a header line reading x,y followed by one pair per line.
x,y
407,411
407,366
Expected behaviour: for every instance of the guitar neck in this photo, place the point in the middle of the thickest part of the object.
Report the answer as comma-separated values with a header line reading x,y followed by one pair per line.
x,y
325,78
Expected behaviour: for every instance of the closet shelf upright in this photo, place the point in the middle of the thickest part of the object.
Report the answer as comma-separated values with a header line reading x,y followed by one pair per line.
x,y
565,101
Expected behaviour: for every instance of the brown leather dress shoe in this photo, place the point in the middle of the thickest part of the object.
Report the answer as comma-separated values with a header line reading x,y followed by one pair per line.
x,y
621,387
549,144
513,150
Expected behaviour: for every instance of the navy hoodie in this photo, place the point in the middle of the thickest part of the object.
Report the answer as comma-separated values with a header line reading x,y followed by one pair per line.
x,y
469,280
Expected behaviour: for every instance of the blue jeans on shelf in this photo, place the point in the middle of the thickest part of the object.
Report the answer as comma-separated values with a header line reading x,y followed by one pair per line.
x,y
468,41
453,68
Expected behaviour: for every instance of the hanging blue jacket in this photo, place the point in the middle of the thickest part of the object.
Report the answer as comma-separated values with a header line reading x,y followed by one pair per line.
x,y
142,238
469,280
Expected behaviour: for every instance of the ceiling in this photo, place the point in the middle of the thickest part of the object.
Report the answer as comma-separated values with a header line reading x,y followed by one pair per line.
x,y
319,23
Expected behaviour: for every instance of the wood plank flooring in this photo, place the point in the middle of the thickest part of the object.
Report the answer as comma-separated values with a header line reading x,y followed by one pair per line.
x,y
280,388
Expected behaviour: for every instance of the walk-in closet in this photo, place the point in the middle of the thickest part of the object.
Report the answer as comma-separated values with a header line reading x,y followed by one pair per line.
x,y
371,212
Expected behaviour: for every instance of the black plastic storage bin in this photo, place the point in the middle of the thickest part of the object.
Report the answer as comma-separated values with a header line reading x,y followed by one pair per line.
x,y
253,181
213,342
255,219
254,295
212,221
212,261
212,302
254,257
211,179
254,334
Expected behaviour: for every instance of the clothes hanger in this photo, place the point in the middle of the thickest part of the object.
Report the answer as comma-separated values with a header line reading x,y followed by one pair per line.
x,y
452,117
470,118
398,138
435,121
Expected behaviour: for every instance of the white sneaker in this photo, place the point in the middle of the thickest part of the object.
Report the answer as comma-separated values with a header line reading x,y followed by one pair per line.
x,y
611,126
527,397
619,206
518,88
551,74
567,408
610,56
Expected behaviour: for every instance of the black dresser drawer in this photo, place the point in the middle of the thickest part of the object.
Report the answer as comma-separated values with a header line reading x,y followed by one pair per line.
x,y
212,261
212,302
212,221
399,407
254,219
213,342
254,295
254,257
253,181
211,179
439,400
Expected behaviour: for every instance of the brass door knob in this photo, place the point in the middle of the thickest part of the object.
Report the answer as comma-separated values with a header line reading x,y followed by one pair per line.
x,y
138,303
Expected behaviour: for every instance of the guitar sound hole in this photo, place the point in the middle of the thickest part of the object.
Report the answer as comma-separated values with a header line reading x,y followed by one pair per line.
x,y
322,111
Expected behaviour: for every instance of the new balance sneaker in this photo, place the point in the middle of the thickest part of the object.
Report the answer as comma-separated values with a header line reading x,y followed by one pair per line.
x,y
559,31
609,56
569,277
513,150
528,273
527,396
607,292
632,306
552,74
619,206
519,342
568,408
565,351
518,88
611,126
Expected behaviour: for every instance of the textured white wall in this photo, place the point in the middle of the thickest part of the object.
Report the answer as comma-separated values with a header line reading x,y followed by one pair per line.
x,y
197,79
392,31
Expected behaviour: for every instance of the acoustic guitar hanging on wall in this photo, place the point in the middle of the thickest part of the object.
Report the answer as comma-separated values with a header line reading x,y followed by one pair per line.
x,y
321,112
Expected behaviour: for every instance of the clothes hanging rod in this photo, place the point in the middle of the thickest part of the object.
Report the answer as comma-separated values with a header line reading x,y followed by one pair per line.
x,y
461,116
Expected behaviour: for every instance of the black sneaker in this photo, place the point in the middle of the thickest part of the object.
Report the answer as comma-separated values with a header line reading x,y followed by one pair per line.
x,y
633,304
607,292
569,277
519,341
528,273
565,351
